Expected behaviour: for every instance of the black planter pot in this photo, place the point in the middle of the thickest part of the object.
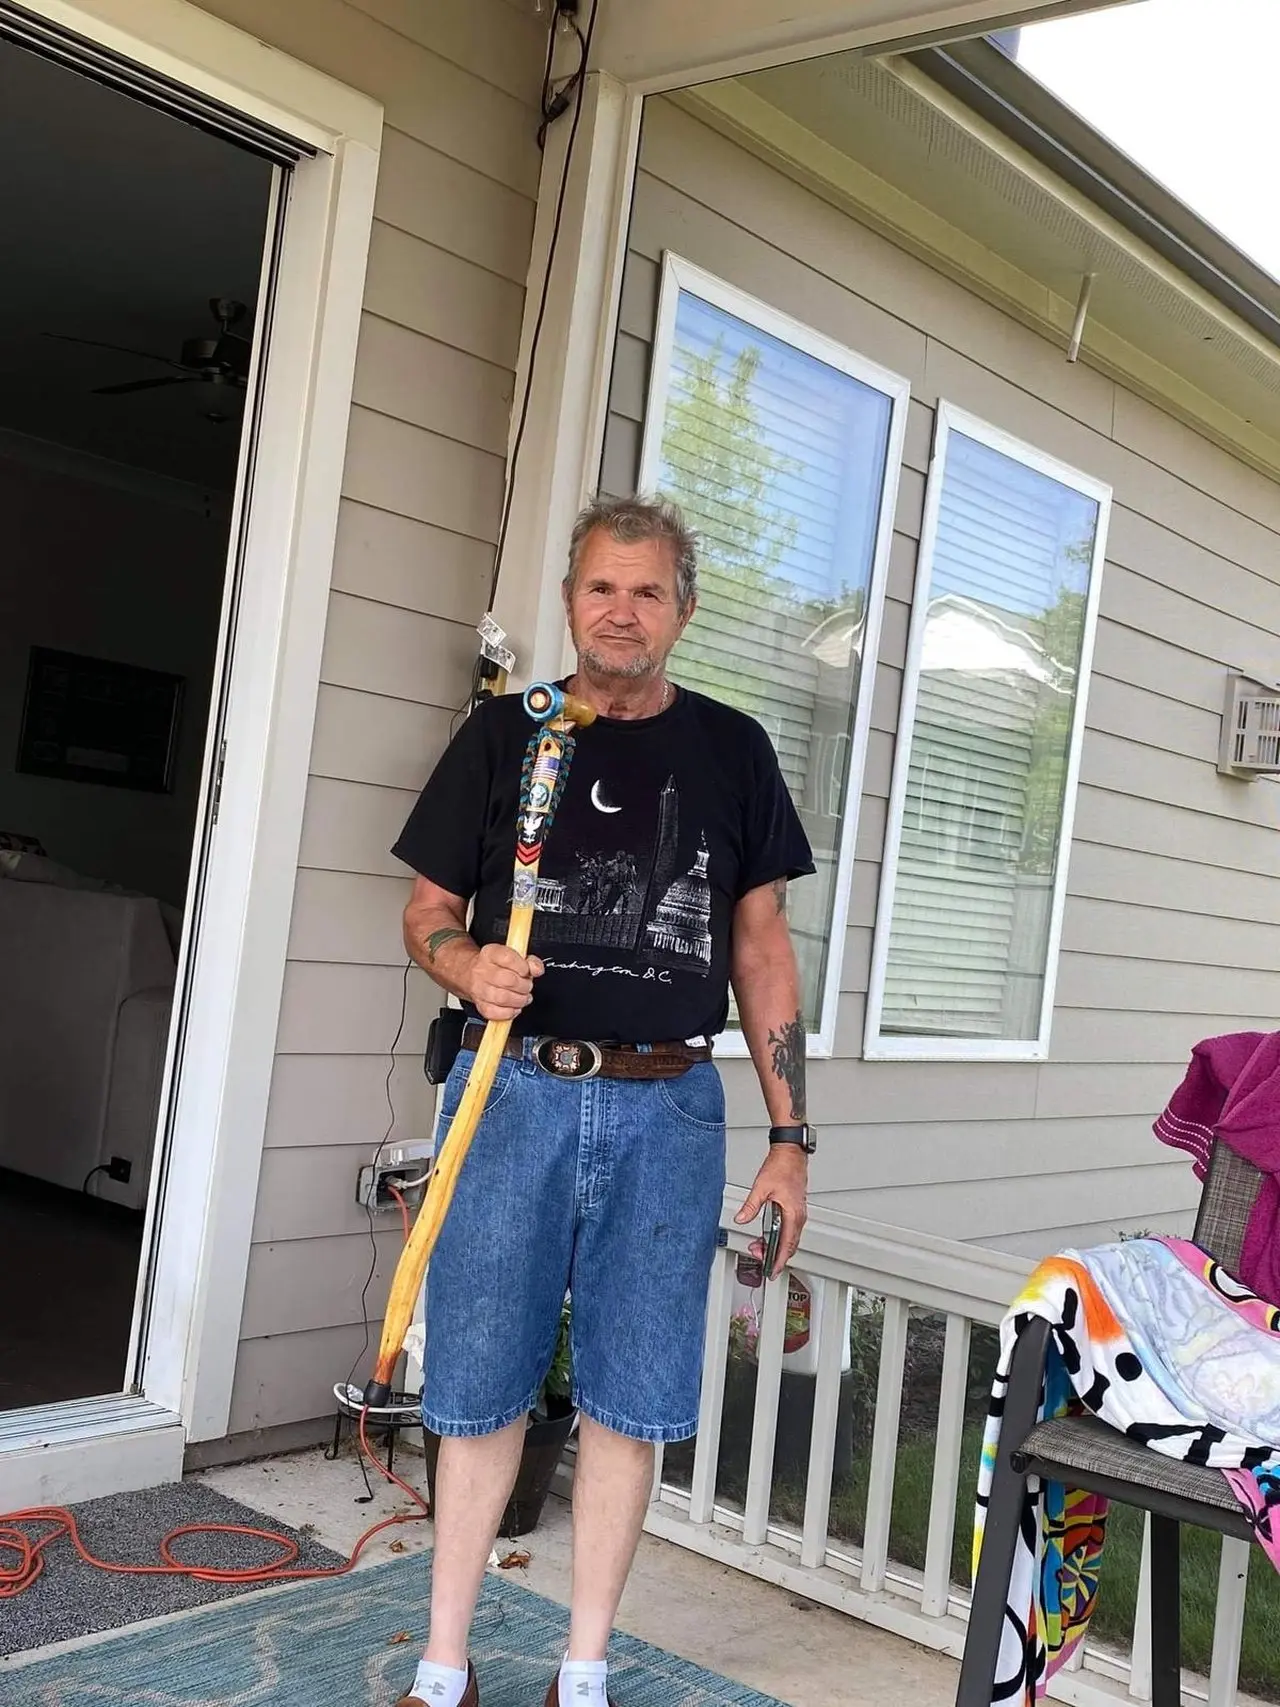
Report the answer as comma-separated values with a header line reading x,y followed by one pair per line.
x,y
796,1397
544,1442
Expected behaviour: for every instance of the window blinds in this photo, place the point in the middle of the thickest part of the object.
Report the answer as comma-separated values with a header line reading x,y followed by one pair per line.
x,y
778,460
990,736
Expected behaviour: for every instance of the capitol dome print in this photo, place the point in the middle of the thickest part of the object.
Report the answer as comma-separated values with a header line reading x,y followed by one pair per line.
x,y
680,931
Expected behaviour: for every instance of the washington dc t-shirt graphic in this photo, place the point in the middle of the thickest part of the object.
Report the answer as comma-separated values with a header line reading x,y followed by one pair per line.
x,y
634,896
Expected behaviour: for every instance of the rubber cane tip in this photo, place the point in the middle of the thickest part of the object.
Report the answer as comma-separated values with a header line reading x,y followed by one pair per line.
x,y
377,1394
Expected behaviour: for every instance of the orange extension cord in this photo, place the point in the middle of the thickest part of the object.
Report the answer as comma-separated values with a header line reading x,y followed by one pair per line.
x,y
30,1550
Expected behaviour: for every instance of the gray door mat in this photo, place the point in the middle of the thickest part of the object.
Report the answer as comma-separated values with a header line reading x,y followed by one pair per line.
x,y
70,1598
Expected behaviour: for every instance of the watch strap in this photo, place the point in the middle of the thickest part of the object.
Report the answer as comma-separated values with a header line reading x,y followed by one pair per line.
x,y
801,1135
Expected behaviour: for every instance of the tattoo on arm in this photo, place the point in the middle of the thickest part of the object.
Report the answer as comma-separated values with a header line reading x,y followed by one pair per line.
x,y
780,893
436,941
788,1047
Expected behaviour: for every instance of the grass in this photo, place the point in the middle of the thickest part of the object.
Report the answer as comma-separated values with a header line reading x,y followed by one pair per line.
x,y
1113,1619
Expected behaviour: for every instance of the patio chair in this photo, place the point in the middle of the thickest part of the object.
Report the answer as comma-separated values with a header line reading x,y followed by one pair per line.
x,y
1084,1452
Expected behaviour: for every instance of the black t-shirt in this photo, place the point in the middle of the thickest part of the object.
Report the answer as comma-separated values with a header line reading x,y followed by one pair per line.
x,y
662,825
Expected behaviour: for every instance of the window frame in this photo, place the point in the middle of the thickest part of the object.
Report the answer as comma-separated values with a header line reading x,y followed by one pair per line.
x,y
895,1046
679,274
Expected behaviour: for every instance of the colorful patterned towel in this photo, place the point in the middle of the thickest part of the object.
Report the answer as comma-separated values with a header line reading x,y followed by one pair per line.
x,y
1159,1341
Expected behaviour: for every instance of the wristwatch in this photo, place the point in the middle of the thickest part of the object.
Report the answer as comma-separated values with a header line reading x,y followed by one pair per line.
x,y
805,1136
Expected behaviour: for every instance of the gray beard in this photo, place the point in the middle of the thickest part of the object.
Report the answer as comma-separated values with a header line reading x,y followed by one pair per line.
x,y
641,665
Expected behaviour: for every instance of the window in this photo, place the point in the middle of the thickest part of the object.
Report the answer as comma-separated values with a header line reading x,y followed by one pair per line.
x,y
782,448
988,753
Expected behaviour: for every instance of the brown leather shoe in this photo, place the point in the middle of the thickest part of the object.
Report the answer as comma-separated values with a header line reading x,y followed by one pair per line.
x,y
470,1695
553,1694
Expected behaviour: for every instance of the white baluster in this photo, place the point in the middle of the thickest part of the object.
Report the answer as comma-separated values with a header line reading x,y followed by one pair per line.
x,y
655,1487
946,1468
764,1423
1140,1663
1228,1623
884,1445
702,1487
826,1416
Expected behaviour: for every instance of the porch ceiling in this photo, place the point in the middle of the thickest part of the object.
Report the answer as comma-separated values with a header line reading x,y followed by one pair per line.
x,y
662,44
882,138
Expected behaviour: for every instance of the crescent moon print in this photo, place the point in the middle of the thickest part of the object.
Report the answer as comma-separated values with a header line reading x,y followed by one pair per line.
x,y
599,802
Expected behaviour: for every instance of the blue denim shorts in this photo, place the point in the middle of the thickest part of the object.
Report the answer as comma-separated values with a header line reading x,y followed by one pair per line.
x,y
608,1188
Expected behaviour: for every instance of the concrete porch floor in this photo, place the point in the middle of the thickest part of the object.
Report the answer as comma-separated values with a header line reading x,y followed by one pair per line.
x,y
759,1635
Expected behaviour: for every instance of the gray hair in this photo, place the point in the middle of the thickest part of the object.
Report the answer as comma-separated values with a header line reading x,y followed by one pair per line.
x,y
631,521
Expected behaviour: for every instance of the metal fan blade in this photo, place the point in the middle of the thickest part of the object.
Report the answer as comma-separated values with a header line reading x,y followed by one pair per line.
x,y
140,385
120,349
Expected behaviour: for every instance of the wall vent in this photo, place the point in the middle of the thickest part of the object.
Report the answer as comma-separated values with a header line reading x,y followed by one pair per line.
x,y
1250,728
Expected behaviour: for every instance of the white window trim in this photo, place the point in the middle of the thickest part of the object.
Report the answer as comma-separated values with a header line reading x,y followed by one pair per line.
x,y
204,1226
679,274
901,1047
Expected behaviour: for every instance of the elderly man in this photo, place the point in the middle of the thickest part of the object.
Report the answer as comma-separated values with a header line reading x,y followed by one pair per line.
x,y
599,1164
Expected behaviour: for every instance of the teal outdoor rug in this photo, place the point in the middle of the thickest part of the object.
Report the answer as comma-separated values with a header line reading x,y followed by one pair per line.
x,y
333,1644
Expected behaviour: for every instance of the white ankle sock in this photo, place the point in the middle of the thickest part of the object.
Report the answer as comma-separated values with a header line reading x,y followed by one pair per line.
x,y
582,1683
439,1686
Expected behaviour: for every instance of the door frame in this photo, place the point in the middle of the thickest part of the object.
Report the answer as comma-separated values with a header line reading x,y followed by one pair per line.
x,y
200,1215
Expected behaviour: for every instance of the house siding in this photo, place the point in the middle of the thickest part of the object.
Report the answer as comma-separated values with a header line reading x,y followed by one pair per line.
x,y
421,496
1172,925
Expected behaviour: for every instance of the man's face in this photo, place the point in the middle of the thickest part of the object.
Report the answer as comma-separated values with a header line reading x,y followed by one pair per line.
x,y
624,615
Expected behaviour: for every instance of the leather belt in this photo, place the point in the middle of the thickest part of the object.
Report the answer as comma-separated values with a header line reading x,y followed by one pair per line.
x,y
576,1058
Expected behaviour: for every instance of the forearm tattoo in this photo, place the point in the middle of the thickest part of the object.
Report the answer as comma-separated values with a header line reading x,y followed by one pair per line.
x,y
788,1047
436,941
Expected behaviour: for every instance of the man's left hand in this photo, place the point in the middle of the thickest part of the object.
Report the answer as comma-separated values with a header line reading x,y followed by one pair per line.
x,y
783,1179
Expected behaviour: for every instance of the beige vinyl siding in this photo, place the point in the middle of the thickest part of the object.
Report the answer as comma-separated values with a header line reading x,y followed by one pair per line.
x,y
1172,927
434,380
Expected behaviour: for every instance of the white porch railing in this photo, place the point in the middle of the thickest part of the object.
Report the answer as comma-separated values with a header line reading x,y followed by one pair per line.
x,y
909,1272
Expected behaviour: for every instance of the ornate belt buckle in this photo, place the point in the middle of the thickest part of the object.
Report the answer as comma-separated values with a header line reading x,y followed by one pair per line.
x,y
566,1059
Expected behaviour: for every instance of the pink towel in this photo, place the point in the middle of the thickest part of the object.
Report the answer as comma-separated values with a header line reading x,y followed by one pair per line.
x,y
1232,1092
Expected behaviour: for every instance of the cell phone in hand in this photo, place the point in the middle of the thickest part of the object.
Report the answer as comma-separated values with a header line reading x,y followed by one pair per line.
x,y
772,1238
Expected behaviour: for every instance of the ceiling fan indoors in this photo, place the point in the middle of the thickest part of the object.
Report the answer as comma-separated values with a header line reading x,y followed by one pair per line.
x,y
220,360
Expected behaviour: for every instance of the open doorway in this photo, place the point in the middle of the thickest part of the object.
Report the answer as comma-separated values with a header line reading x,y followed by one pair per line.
x,y
128,302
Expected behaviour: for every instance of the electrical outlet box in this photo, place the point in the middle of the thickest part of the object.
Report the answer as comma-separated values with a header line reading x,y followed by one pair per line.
x,y
375,1181
119,1168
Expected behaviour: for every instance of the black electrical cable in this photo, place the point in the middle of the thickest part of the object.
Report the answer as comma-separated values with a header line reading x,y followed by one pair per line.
x,y
468,702
544,102
574,87
102,1168
377,1157
559,103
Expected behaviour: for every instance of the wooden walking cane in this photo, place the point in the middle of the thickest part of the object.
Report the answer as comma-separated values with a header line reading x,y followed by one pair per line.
x,y
558,713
